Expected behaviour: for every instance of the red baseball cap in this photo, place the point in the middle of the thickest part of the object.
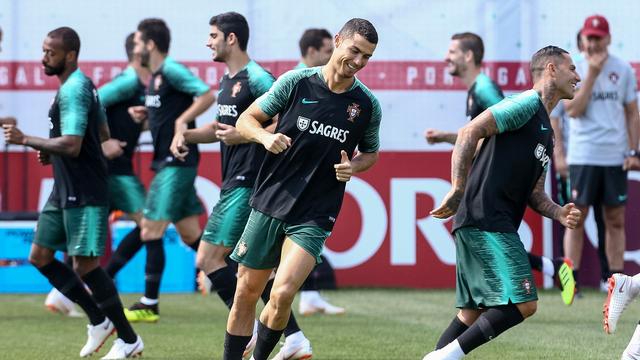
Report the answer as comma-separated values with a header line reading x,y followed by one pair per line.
x,y
595,25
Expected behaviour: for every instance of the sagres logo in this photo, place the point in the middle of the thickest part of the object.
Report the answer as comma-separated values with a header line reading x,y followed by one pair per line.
x,y
541,154
303,123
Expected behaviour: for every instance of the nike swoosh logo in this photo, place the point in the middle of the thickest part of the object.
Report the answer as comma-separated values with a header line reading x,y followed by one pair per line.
x,y
622,286
543,128
132,350
307,102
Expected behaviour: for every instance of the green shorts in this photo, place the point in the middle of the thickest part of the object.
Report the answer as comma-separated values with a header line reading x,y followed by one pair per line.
x,y
261,242
172,195
126,193
228,217
80,231
492,268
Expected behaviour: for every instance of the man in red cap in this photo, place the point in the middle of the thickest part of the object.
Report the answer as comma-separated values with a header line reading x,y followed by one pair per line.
x,y
603,141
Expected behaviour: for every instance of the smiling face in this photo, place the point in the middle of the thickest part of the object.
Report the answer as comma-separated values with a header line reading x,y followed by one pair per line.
x,y
566,77
455,59
53,56
351,54
218,45
141,49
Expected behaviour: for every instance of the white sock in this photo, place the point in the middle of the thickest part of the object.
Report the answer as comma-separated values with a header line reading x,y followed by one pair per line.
x,y
453,351
308,296
147,301
547,266
295,338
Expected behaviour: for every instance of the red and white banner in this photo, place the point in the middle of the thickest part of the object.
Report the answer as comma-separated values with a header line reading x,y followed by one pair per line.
x,y
384,235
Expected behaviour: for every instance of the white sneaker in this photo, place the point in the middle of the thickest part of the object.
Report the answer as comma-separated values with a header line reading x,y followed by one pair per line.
x,y
248,350
620,294
96,336
56,302
632,352
122,350
317,304
292,351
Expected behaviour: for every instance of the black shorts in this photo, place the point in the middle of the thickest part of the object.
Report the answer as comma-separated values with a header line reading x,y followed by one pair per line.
x,y
592,184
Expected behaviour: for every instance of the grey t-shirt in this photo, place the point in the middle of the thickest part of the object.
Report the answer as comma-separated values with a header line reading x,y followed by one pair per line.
x,y
599,137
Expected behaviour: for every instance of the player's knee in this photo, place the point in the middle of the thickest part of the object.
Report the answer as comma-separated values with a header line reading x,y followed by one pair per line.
x,y
37,260
528,309
247,295
39,257
282,297
209,262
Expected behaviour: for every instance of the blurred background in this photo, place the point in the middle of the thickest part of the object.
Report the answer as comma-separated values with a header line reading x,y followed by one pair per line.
x,y
384,235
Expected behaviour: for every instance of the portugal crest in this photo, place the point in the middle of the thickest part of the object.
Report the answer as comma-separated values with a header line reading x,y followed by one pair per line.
x,y
242,248
236,89
526,284
157,82
353,111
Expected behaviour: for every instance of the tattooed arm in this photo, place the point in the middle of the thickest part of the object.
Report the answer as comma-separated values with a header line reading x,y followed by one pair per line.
x,y
567,215
540,201
483,126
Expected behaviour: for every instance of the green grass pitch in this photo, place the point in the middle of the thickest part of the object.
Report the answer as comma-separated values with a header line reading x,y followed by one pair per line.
x,y
379,324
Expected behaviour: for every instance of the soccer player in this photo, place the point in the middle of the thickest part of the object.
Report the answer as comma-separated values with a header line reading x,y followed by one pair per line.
x,y
170,107
325,113
494,285
622,291
464,60
126,192
316,47
75,216
244,82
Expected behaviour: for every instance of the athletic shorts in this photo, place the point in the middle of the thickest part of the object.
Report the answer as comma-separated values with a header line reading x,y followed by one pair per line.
x,y
492,269
126,193
228,218
79,231
592,184
261,242
172,195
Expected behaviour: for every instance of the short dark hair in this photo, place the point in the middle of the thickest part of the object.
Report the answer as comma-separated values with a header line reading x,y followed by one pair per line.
x,y
361,27
232,22
542,57
313,38
128,46
69,37
471,42
156,30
